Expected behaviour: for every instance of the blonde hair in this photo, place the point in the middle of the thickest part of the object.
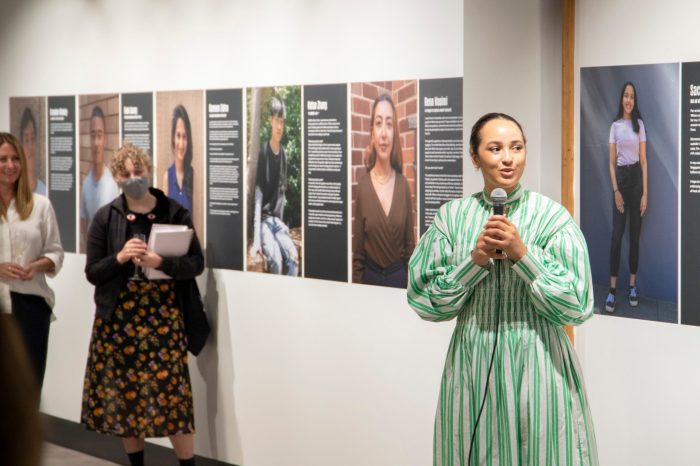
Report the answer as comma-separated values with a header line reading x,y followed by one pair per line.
x,y
24,200
138,156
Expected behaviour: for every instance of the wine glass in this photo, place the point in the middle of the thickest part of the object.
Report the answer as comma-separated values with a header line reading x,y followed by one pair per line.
x,y
18,241
138,271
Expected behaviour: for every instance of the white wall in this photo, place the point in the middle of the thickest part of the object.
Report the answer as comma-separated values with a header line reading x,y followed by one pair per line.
x,y
303,371
643,379
512,64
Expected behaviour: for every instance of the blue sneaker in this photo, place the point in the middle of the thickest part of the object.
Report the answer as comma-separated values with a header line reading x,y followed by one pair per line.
x,y
634,299
610,303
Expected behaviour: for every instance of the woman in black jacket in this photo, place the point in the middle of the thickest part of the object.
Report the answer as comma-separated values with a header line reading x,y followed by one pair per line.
x,y
137,381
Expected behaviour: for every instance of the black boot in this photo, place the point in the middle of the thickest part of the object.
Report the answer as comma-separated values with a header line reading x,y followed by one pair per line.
x,y
136,458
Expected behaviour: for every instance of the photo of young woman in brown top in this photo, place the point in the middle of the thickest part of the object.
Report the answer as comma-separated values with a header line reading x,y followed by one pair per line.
x,y
383,239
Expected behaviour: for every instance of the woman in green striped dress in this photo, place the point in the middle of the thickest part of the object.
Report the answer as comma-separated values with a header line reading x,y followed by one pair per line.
x,y
534,409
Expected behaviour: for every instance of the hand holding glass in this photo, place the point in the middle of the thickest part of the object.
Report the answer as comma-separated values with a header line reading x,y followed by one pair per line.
x,y
18,241
138,272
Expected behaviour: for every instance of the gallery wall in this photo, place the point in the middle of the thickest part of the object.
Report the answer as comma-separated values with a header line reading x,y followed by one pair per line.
x,y
298,371
641,377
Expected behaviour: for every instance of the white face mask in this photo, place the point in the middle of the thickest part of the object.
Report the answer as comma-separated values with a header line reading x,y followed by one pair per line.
x,y
135,187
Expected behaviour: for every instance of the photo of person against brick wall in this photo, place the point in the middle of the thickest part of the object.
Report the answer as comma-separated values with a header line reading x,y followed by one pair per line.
x,y
27,116
273,192
383,176
98,138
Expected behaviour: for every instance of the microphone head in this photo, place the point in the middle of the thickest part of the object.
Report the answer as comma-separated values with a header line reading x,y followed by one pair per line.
x,y
499,196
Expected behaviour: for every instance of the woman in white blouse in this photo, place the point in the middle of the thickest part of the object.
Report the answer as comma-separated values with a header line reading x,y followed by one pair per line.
x,y
30,249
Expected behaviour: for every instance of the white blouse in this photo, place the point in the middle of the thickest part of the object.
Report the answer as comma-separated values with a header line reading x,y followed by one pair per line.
x,y
41,239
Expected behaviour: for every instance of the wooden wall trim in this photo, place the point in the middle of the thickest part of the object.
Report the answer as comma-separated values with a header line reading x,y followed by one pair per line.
x,y
567,104
568,16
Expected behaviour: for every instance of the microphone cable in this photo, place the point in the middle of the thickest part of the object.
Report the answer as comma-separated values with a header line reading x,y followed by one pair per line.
x,y
498,265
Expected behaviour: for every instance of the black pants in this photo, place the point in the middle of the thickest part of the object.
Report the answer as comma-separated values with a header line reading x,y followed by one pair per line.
x,y
33,316
396,275
629,182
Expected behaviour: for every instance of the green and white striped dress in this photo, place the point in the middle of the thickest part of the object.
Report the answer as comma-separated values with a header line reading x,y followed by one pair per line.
x,y
536,411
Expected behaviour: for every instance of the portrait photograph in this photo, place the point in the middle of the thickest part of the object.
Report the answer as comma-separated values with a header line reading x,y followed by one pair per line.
x,y
179,164
383,180
629,188
274,180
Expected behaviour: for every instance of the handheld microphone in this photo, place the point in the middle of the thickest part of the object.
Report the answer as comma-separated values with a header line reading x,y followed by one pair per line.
x,y
498,199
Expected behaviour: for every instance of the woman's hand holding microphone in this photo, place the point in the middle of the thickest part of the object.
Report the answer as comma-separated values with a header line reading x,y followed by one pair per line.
x,y
499,239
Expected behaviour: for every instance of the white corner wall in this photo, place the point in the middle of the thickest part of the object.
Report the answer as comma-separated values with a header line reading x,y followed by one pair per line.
x,y
643,378
512,64
302,372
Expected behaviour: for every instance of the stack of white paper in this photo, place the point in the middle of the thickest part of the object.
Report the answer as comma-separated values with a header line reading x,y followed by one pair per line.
x,y
167,241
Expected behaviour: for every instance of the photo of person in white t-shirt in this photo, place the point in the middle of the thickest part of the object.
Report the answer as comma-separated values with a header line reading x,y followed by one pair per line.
x,y
99,188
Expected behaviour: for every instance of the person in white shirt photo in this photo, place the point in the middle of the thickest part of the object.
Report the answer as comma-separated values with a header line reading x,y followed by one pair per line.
x,y
99,187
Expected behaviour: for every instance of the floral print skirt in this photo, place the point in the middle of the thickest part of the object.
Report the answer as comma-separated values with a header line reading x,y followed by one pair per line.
x,y
137,383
